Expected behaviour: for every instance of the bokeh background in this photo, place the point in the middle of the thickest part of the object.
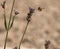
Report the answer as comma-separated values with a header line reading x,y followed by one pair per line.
x,y
44,25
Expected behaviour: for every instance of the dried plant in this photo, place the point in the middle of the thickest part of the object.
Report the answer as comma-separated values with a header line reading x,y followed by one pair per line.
x,y
47,43
28,18
8,25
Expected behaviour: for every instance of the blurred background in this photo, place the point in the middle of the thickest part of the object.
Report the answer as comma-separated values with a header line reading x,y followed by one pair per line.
x,y
44,25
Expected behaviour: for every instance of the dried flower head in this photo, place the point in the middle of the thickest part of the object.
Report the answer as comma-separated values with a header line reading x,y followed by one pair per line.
x,y
31,11
47,43
16,12
3,4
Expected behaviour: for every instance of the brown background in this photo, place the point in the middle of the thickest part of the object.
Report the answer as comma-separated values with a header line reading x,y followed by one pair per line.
x,y
44,25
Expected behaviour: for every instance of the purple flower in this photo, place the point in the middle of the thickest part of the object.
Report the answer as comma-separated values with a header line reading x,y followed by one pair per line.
x,y
31,10
16,12
3,4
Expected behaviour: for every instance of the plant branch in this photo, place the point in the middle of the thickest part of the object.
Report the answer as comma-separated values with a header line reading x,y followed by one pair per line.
x,y
11,14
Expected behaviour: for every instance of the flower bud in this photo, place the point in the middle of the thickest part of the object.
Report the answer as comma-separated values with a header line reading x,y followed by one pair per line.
x,y
16,12
31,11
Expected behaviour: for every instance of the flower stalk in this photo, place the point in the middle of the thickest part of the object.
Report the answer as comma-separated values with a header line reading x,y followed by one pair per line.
x,y
11,13
8,25
28,18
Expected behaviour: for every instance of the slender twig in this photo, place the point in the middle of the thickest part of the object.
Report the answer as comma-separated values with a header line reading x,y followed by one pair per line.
x,y
6,40
5,23
28,18
11,13
6,33
23,34
7,26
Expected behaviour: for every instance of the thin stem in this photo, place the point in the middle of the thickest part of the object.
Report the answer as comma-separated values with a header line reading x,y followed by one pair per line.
x,y
23,35
7,31
8,24
5,22
11,14
6,40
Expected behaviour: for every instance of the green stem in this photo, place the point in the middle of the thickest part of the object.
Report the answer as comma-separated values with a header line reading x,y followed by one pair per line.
x,y
11,14
6,40
8,24
6,29
23,35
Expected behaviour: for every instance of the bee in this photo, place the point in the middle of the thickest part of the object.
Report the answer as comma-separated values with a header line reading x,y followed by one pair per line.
x,y
40,9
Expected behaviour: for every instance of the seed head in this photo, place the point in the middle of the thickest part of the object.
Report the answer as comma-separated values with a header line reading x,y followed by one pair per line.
x,y
3,4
